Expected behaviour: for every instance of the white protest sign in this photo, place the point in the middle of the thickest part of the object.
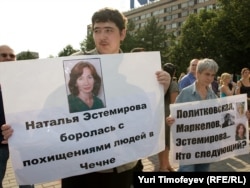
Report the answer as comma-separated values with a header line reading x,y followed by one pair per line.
x,y
205,131
50,143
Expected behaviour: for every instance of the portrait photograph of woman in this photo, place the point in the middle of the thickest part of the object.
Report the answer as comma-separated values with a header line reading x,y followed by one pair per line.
x,y
240,109
84,85
240,132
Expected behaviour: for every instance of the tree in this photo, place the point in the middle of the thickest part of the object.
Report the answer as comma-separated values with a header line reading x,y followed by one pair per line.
x,y
27,55
88,43
233,28
196,40
221,34
130,41
153,37
67,51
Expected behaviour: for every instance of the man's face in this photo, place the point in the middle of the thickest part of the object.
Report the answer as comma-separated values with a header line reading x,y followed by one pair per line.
x,y
193,66
108,37
7,54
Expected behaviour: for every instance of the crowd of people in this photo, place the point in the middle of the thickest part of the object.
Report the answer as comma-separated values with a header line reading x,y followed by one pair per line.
x,y
109,30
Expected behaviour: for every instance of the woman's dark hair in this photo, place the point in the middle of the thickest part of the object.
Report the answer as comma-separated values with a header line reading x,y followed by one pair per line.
x,y
77,71
238,127
171,69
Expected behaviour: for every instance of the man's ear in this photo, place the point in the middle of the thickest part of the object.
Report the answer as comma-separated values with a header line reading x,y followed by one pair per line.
x,y
123,34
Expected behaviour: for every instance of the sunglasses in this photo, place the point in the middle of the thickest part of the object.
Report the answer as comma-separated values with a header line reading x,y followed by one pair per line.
x,y
4,55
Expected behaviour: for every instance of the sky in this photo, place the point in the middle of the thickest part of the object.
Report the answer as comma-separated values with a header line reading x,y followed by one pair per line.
x,y
47,26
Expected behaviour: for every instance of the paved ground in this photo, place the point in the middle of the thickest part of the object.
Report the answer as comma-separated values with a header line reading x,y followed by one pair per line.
x,y
234,164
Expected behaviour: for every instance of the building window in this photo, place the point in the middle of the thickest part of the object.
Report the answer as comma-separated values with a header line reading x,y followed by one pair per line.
x,y
168,26
148,15
168,9
161,19
143,16
191,3
191,12
175,7
169,17
184,5
174,25
184,13
136,18
156,13
210,7
174,16
161,11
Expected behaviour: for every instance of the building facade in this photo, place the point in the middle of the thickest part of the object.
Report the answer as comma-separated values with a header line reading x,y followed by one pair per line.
x,y
170,13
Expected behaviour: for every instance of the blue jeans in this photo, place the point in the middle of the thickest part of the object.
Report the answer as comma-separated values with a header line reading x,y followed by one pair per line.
x,y
4,156
194,168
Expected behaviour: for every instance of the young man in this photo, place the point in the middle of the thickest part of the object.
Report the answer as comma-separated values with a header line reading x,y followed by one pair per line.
x,y
109,29
6,54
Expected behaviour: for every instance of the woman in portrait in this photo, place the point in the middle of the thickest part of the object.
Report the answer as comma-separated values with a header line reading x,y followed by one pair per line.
x,y
240,132
84,85
240,109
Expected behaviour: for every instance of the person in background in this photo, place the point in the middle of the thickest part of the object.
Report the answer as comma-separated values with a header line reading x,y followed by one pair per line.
x,y
225,90
109,29
198,90
215,86
243,85
190,77
175,80
6,54
169,98
181,76
84,85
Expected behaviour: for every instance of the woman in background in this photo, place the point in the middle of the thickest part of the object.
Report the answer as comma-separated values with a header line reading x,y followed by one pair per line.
x,y
243,85
200,90
169,98
225,80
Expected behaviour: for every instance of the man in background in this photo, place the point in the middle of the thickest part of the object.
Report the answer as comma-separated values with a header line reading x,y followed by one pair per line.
x,y
6,54
190,77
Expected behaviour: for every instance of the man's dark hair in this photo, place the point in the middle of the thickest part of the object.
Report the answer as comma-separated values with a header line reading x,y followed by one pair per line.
x,y
109,14
170,68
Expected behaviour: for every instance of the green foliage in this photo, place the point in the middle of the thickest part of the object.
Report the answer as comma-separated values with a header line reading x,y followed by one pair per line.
x,y
233,28
196,40
26,55
130,41
67,51
221,34
153,37
88,43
